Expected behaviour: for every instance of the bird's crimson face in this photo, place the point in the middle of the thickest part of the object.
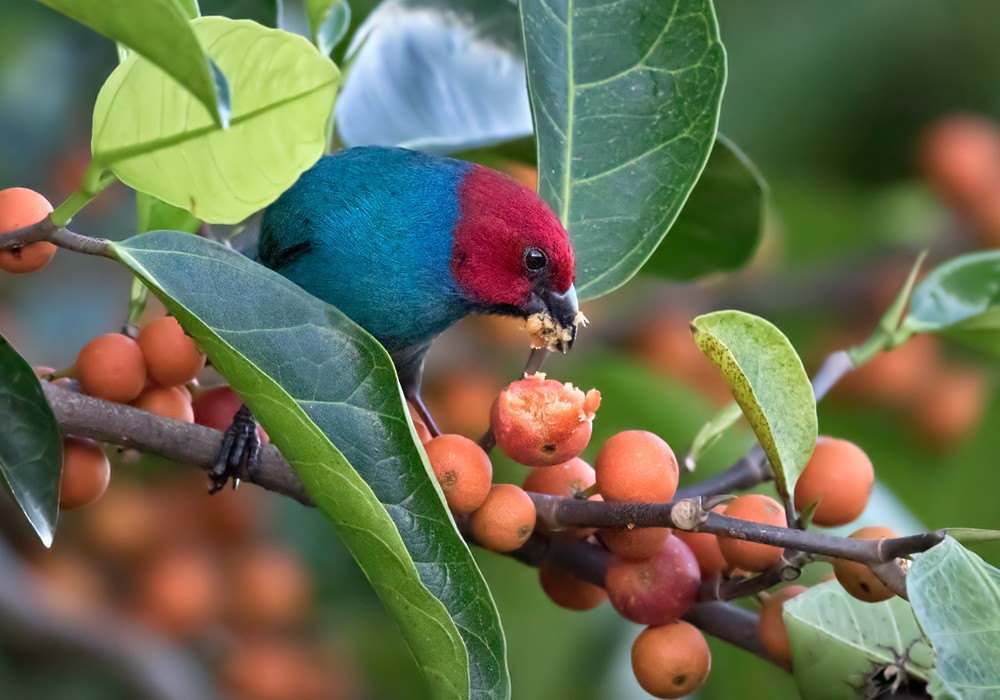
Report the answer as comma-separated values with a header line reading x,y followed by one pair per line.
x,y
512,256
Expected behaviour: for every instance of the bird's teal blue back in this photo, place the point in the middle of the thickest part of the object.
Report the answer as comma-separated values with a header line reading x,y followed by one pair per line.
x,y
369,230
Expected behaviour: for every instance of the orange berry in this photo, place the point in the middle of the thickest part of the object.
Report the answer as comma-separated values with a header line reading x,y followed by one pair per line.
x,y
172,357
463,469
567,591
270,587
671,661
540,422
86,473
636,465
638,543
180,591
505,520
753,556
856,578
168,402
950,405
20,207
888,377
705,547
839,476
111,367
566,479
771,626
961,158
423,432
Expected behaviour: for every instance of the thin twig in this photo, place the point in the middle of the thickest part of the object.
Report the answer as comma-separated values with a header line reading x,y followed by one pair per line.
x,y
45,230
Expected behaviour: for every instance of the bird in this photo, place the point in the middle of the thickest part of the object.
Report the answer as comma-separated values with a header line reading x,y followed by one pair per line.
x,y
405,244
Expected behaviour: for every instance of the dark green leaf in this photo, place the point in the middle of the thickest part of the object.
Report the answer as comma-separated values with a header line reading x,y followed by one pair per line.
x,y
265,12
328,22
625,95
972,534
159,31
770,385
328,396
960,299
30,444
146,132
721,223
837,640
956,598
436,75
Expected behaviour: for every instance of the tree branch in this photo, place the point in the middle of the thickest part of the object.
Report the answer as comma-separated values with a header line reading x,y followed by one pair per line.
x,y
45,230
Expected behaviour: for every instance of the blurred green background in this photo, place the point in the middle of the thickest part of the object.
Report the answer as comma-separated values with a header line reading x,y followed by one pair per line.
x,y
829,99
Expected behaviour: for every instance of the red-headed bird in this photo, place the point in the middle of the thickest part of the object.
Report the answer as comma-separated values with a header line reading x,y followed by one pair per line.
x,y
406,244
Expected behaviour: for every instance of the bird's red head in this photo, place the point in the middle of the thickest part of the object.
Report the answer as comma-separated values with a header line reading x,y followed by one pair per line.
x,y
511,254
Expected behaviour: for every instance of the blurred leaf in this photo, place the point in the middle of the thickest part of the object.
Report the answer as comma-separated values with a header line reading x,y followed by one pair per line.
x,y
625,95
328,22
149,134
721,223
711,431
838,640
265,12
328,396
956,598
152,214
436,75
159,31
961,299
190,8
972,534
770,385
30,444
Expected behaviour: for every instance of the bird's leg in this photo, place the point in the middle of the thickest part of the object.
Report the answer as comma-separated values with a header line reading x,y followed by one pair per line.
x,y
418,404
239,451
535,360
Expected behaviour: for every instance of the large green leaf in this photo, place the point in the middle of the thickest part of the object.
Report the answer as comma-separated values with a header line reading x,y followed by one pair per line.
x,y
30,444
328,22
956,597
961,299
770,385
158,30
721,223
838,641
328,396
625,96
157,140
152,213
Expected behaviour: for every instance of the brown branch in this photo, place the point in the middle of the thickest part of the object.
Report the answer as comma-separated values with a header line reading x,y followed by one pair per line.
x,y
45,230
118,424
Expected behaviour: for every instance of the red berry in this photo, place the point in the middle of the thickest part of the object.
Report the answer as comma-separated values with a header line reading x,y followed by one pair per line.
x,y
539,422
656,590
215,408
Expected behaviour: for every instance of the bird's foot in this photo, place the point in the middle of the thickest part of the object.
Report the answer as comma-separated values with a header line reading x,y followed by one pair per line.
x,y
239,451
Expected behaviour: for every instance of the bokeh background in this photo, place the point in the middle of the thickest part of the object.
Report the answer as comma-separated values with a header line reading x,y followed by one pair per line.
x,y
249,595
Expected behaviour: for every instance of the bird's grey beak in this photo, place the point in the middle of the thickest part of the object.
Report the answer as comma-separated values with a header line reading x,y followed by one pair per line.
x,y
560,313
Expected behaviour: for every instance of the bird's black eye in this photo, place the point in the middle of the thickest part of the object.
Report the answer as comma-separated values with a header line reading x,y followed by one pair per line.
x,y
535,259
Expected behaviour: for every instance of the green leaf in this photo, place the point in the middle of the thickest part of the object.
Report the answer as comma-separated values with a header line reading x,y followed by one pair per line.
x,y
265,12
961,299
189,8
30,444
328,396
157,141
770,385
956,597
721,223
838,640
972,534
329,21
152,213
711,431
625,96
158,30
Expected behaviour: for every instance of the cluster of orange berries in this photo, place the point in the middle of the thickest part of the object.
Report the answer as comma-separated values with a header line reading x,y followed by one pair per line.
x,y
157,372
654,574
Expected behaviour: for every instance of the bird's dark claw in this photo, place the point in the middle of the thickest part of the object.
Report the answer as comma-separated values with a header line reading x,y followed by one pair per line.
x,y
239,451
